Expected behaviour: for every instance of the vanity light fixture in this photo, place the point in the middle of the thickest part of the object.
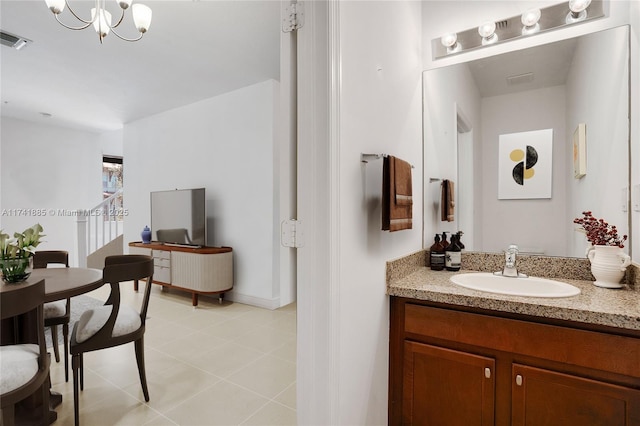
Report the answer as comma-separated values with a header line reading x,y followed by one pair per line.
x,y
101,18
530,20
577,11
487,31
450,41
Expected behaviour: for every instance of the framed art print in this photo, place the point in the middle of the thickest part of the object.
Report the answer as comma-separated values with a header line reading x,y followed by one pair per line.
x,y
525,165
580,151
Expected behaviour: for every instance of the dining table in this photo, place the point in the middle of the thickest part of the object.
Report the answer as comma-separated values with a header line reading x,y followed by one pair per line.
x,y
60,284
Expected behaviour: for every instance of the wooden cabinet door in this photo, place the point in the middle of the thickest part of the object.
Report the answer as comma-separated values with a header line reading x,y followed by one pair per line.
x,y
544,398
444,387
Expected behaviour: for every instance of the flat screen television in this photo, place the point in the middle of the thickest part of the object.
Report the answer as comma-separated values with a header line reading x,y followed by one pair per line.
x,y
179,217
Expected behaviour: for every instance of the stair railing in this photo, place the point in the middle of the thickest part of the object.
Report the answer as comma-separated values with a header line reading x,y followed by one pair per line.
x,y
98,226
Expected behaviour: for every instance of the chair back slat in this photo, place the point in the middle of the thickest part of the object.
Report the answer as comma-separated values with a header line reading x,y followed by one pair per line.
x,y
44,258
21,298
127,267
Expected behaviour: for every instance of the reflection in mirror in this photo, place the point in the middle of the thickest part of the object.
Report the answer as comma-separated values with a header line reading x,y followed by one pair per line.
x,y
558,86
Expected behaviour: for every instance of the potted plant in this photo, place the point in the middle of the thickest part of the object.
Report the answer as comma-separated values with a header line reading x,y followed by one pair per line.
x,y
608,261
16,254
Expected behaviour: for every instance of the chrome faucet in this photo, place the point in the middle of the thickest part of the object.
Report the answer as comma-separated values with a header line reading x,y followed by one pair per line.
x,y
510,269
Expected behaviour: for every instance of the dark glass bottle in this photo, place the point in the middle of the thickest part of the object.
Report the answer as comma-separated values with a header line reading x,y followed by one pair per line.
x,y
459,234
444,241
453,257
436,254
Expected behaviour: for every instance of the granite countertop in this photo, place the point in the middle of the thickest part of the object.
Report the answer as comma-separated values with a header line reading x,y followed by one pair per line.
x,y
618,308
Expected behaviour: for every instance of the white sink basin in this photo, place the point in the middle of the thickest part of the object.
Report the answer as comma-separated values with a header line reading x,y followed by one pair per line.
x,y
531,286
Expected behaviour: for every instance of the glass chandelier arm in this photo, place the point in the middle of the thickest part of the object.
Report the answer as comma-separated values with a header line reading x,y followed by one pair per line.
x,y
69,27
125,38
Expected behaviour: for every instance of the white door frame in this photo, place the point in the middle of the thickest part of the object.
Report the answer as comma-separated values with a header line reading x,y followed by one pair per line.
x,y
318,261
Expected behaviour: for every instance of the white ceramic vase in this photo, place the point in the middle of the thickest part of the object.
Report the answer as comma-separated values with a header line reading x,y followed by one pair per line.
x,y
608,265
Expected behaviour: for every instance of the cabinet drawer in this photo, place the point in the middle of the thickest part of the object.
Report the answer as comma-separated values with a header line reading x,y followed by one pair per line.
x,y
162,274
164,263
161,254
607,352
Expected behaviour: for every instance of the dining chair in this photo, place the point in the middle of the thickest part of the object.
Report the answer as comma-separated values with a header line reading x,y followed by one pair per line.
x,y
114,323
24,365
58,312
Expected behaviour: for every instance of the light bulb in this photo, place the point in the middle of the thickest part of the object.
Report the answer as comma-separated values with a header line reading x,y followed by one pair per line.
x,y
487,31
450,41
578,11
102,24
56,6
141,17
124,4
530,20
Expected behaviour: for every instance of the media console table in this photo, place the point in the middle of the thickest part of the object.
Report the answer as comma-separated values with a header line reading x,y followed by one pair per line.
x,y
202,270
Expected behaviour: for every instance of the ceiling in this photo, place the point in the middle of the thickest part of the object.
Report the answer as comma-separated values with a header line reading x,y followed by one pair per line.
x,y
549,64
193,50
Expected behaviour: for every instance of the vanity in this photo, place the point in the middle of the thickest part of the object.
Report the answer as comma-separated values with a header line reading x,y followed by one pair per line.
x,y
462,356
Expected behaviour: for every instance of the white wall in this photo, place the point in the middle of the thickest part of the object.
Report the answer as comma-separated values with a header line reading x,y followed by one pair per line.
x,y
604,110
48,168
380,112
447,92
227,145
519,222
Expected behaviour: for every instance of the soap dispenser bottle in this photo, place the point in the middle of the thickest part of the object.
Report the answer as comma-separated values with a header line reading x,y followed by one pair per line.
x,y
459,235
436,255
453,257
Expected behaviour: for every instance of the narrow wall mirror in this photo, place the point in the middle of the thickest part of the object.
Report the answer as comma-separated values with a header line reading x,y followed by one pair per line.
x,y
558,86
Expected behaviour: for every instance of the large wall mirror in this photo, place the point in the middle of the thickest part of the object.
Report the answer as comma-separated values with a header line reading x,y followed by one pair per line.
x,y
578,89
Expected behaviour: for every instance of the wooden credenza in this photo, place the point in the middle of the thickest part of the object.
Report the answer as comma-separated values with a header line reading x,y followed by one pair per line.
x,y
202,270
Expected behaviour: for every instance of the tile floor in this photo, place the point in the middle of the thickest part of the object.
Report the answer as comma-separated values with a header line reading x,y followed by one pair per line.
x,y
229,364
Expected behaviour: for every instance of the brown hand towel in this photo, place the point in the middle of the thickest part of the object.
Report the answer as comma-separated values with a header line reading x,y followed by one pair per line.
x,y
447,201
397,205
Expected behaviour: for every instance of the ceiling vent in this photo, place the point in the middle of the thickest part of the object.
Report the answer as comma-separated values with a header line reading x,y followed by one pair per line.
x,y
520,79
11,40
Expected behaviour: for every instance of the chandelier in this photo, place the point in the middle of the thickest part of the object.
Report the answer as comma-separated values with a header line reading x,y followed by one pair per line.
x,y
101,18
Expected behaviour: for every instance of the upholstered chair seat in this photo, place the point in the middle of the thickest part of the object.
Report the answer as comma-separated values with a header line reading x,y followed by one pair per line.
x,y
92,321
18,365
54,309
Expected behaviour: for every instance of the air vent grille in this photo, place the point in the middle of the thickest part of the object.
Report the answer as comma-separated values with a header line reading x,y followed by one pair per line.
x,y
11,40
520,79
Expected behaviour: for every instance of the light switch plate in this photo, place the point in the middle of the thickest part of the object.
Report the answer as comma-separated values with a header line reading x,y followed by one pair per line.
x,y
636,198
624,199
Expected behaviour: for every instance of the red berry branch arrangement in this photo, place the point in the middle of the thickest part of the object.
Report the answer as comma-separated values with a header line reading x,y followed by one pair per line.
x,y
599,232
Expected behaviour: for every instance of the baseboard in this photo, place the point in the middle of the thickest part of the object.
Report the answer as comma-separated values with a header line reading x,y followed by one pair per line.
x,y
253,300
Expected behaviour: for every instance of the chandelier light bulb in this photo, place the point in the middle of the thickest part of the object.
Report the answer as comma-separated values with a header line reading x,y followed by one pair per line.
x,y
102,24
530,20
56,6
124,4
141,17
487,31
578,11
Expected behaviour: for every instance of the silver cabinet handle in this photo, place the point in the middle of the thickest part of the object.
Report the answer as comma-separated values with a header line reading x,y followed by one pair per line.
x,y
519,380
487,372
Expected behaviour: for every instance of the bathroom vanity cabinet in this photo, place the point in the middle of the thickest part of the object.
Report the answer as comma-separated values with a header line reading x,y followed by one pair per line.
x,y
455,365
